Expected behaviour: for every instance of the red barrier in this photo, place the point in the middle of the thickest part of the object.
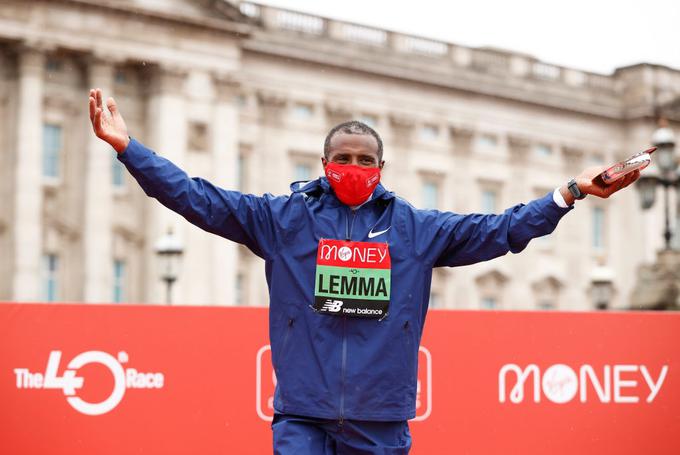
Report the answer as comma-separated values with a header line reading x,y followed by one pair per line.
x,y
84,379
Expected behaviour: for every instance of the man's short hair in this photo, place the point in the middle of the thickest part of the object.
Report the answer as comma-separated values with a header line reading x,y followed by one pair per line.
x,y
352,127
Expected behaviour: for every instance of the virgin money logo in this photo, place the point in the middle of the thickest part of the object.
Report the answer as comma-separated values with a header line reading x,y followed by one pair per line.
x,y
560,383
266,383
344,254
70,382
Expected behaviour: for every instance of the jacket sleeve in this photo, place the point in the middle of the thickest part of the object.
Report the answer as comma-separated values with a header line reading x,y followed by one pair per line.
x,y
245,219
467,239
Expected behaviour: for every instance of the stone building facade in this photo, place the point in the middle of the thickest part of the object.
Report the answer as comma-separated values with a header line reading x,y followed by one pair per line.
x,y
243,95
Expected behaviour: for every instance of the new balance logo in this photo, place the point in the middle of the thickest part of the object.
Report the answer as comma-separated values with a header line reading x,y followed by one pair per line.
x,y
333,306
372,234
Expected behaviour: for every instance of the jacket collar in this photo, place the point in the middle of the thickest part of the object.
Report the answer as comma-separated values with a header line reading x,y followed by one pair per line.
x,y
320,186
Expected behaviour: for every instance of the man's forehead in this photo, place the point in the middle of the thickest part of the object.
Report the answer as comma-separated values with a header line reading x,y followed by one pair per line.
x,y
363,143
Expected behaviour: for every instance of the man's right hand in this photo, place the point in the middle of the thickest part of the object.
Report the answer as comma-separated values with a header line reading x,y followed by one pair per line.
x,y
108,127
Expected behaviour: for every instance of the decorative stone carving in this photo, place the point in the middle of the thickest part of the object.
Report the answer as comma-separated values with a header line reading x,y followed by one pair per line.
x,y
165,79
227,86
461,137
64,104
549,284
272,105
573,158
400,121
519,147
402,126
658,284
31,59
197,136
337,112
492,279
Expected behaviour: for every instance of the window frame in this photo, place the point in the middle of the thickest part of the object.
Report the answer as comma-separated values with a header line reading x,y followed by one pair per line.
x,y
58,156
50,277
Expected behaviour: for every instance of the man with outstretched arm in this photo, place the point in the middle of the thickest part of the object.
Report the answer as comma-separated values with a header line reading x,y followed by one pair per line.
x,y
348,266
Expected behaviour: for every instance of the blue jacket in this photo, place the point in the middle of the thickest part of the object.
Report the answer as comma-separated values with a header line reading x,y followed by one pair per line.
x,y
340,367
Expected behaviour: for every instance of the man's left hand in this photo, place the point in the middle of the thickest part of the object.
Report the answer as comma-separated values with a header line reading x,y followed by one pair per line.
x,y
589,182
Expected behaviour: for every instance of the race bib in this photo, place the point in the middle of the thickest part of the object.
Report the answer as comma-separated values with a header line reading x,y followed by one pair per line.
x,y
352,279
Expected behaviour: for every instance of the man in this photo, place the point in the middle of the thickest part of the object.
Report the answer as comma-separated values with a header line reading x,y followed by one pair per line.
x,y
348,266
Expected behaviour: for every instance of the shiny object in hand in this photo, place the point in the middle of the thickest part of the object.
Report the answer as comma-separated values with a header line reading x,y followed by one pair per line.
x,y
619,170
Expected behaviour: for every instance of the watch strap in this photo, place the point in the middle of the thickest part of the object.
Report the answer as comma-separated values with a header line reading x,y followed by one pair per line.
x,y
574,190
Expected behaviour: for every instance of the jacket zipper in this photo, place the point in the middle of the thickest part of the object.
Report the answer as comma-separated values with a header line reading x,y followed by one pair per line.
x,y
348,235
350,227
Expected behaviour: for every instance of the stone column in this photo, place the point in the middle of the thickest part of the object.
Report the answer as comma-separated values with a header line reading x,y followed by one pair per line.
x,y
27,219
225,150
519,150
462,184
399,171
97,198
7,110
271,149
167,136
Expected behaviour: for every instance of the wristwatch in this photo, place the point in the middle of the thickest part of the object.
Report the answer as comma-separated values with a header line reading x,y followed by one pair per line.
x,y
574,190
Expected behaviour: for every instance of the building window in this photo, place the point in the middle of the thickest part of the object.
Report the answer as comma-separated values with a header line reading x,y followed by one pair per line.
x,y
488,303
546,305
53,65
429,132
117,171
302,111
50,277
601,306
490,286
118,281
598,228
487,141
430,195
52,147
547,293
543,150
368,119
120,77
596,159
489,201
302,172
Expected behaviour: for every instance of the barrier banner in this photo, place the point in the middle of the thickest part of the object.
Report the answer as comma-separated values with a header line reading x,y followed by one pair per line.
x,y
112,379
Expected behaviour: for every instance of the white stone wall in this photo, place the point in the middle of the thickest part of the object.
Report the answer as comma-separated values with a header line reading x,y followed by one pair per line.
x,y
209,90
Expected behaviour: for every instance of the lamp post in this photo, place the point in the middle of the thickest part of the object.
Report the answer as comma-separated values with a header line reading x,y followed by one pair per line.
x,y
169,250
664,140
658,284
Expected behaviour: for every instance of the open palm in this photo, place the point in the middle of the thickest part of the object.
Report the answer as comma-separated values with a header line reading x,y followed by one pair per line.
x,y
590,182
108,127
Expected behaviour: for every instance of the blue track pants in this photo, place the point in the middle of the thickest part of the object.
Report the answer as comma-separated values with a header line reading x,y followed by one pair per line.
x,y
298,435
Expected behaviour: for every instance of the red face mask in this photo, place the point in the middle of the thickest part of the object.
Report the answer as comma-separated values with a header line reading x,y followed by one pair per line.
x,y
352,184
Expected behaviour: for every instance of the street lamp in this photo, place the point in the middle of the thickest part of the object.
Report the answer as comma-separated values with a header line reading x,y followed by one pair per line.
x,y
169,250
664,141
